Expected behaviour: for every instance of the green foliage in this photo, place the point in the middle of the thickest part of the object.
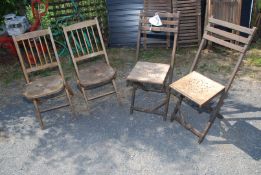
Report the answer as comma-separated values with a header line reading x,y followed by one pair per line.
x,y
45,20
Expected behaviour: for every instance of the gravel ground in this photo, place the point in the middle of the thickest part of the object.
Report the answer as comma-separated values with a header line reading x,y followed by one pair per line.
x,y
105,139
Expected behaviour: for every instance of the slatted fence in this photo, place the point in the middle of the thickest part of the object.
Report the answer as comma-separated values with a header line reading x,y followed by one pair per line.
x,y
190,21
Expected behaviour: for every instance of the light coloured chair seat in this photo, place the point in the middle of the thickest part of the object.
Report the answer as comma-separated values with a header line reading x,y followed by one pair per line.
x,y
197,88
146,72
96,75
44,86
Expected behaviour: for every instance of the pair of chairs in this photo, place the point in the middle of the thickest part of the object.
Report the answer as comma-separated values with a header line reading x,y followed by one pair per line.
x,y
195,88
37,52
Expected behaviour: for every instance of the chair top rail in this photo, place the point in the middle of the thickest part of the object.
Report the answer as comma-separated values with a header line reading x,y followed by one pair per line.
x,y
167,22
80,25
159,29
33,34
239,28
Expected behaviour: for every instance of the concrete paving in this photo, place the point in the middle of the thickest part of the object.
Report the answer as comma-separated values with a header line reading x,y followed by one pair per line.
x,y
105,139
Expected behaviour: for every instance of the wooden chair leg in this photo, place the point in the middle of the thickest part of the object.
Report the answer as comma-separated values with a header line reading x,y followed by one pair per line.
x,y
177,108
69,89
212,118
68,94
117,93
132,100
84,95
166,108
38,114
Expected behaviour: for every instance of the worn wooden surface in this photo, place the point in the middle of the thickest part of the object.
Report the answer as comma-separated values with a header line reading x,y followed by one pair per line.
x,y
96,74
227,10
197,87
190,21
43,86
145,72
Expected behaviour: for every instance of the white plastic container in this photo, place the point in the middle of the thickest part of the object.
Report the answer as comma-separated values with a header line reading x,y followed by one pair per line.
x,y
16,25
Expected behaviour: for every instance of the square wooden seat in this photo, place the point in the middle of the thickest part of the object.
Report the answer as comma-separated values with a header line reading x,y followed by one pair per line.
x,y
146,72
44,86
197,88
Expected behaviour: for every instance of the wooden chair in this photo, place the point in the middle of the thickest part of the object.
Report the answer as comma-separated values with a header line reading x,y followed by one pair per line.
x,y
201,90
155,75
37,52
85,43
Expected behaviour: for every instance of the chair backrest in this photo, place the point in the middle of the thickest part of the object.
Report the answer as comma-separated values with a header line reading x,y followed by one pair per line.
x,y
228,35
84,40
36,51
170,24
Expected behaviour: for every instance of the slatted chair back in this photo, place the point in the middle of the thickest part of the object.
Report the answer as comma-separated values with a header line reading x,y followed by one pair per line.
x,y
84,40
36,51
229,35
170,24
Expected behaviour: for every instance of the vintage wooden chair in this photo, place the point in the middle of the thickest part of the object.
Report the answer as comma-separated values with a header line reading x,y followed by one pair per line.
x,y
155,77
201,90
37,52
85,43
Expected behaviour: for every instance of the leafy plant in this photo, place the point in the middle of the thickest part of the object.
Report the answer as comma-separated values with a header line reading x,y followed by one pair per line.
x,y
45,20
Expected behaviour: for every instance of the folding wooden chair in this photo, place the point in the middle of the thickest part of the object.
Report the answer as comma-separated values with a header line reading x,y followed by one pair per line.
x,y
85,43
201,90
155,77
37,52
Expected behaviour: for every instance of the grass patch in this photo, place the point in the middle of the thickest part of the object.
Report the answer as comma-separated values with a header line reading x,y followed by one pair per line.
x,y
254,54
9,73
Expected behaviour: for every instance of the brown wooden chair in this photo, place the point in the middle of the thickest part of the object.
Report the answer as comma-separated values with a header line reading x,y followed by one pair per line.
x,y
37,52
201,90
85,43
155,77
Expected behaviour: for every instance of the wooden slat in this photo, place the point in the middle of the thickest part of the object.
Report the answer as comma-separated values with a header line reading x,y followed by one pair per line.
x,y
27,56
170,22
49,65
43,50
223,43
231,26
159,29
79,25
228,35
48,50
94,54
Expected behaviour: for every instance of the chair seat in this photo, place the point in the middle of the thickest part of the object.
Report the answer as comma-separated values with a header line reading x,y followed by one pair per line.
x,y
146,72
96,75
197,88
44,86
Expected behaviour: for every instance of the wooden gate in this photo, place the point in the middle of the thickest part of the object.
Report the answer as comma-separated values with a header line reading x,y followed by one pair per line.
x,y
227,10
